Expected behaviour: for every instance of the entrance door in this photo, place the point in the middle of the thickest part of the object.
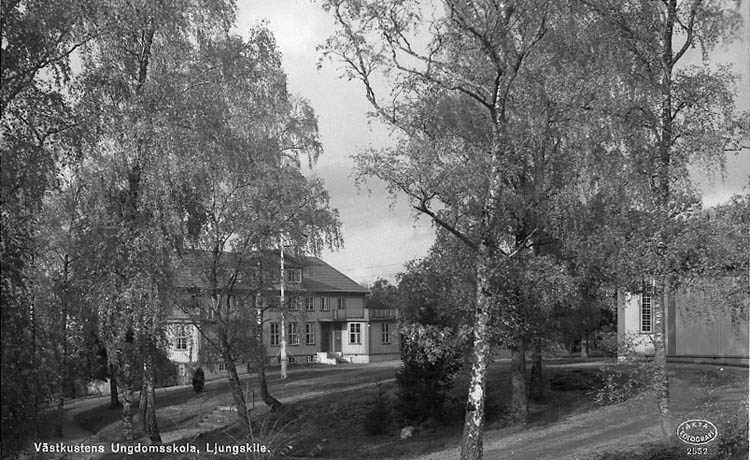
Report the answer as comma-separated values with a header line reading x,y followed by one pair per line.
x,y
325,335
337,341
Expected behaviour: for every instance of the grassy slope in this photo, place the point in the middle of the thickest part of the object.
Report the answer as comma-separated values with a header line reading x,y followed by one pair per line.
x,y
326,420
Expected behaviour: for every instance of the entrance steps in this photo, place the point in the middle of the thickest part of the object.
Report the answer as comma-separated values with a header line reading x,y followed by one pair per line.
x,y
323,357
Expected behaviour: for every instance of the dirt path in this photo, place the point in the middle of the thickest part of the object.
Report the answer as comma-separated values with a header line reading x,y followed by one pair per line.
x,y
75,434
618,427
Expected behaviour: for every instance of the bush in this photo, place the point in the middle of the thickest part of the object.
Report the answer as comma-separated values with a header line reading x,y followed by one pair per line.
x,y
431,357
166,371
199,380
609,344
624,381
378,420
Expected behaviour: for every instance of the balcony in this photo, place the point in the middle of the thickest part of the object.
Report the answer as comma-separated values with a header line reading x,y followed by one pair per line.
x,y
382,313
361,314
349,313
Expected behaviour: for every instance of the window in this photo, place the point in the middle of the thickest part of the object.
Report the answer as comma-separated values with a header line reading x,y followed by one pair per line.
x,y
341,304
325,304
292,303
291,359
294,275
310,303
309,359
310,333
182,337
355,333
646,310
293,334
275,333
385,337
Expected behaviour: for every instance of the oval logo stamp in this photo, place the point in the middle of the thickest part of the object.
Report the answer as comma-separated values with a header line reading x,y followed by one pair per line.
x,y
697,432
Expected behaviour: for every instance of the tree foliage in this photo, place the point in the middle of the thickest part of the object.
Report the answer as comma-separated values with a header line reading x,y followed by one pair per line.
x,y
240,137
668,115
37,41
383,295
171,134
431,355
483,147
511,115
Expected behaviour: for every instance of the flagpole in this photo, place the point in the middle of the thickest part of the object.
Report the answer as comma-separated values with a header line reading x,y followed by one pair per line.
x,y
282,310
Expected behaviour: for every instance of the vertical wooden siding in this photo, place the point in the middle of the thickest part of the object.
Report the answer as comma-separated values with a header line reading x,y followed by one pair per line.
x,y
711,319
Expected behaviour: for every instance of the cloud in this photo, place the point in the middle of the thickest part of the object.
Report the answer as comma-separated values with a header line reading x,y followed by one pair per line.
x,y
380,249
380,235
298,25
720,187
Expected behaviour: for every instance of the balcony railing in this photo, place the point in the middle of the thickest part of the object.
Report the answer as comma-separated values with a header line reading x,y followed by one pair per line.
x,y
350,313
382,313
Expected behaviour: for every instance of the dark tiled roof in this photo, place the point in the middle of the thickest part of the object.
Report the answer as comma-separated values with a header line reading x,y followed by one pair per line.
x,y
194,268
318,276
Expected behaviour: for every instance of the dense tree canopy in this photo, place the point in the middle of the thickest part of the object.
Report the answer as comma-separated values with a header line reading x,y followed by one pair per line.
x,y
550,143
168,134
511,115
37,41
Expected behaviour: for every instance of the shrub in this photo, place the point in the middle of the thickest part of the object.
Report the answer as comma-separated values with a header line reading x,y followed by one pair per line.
x,y
431,357
166,371
199,380
378,420
623,381
618,387
608,343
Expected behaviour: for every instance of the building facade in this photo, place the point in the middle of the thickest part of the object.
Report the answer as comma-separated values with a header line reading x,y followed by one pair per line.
x,y
706,321
324,316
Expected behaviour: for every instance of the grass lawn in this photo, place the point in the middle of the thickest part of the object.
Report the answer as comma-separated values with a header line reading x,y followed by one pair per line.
x,y
181,407
190,404
331,426
712,393
320,421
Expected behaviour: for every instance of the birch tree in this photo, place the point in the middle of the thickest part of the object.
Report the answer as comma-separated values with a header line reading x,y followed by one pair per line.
x,y
124,101
243,138
672,114
38,39
60,290
452,79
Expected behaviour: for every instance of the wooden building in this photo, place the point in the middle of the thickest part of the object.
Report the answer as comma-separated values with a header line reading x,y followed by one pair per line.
x,y
706,321
325,312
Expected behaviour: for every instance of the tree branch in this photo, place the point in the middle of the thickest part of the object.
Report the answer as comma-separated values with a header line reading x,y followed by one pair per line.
x,y
688,30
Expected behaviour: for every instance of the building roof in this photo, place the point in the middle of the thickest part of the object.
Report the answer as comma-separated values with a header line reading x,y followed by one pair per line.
x,y
193,269
317,275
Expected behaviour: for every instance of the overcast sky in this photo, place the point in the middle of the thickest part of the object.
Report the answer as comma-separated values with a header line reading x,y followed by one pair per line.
x,y
380,235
